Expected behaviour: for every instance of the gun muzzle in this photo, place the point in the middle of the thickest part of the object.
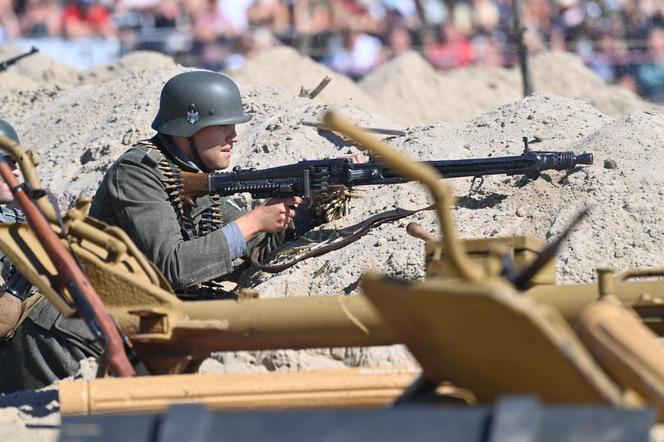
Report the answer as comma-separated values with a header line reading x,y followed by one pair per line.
x,y
584,158
566,160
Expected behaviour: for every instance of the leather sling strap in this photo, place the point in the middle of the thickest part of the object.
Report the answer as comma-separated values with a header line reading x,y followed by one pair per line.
x,y
356,232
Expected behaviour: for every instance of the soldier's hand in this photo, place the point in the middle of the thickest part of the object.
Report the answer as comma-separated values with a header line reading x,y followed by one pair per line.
x,y
272,216
356,158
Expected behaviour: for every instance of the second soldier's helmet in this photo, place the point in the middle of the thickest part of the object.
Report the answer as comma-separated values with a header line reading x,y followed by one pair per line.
x,y
6,130
194,100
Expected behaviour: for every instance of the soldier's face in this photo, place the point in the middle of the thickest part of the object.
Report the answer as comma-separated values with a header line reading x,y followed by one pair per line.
x,y
6,195
215,145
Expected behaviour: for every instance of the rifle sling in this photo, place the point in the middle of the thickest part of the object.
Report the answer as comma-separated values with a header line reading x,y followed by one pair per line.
x,y
359,230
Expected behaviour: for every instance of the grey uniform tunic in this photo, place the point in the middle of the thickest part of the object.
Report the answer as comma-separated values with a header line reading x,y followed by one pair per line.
x,y
46,346
134,197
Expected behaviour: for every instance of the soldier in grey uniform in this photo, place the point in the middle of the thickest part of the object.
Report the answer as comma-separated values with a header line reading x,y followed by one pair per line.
x,y
194,247
37,344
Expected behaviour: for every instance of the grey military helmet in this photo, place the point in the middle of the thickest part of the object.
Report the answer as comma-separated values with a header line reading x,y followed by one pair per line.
x,y
6,130
195,100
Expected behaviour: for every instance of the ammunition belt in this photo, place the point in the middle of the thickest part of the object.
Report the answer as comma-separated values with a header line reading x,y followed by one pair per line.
x,y
175,189
211,219
346,236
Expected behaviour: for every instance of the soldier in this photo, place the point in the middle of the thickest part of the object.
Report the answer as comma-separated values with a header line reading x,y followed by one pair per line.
x,y
142,191
37,344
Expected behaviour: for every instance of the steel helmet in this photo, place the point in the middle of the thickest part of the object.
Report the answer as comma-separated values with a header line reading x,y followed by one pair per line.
x,y
195,100
6,130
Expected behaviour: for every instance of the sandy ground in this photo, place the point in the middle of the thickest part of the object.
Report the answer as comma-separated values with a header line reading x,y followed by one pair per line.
x,y
412,92
80,122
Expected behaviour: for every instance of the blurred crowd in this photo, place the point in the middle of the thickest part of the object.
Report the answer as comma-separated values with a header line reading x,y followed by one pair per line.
x,y
622,40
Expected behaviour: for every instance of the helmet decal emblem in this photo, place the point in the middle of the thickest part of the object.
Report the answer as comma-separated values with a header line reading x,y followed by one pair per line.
x,y
192,116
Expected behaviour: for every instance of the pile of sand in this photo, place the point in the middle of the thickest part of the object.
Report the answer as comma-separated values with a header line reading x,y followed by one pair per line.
x,y
13,82
80,129
284,67
564,74
88,126
39,68
408,88
132,63
411,92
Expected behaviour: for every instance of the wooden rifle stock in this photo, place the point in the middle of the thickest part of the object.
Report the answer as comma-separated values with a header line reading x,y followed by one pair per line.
x,y
71,277
195,185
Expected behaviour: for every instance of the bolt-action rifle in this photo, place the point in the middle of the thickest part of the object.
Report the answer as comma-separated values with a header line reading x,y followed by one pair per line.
x,y
70,277
4,65
316,180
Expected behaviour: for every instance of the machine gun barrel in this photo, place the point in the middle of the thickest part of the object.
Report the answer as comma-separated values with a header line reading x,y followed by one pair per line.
x,y
531,164
312,178
4,65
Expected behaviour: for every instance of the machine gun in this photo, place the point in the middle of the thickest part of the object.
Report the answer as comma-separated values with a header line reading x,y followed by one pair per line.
x,y
322,180
465,314
4,65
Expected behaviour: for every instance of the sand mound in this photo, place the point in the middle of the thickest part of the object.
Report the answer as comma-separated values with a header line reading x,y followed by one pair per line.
x,y
39,68
286,68
79,130
423,95
132,63
624,228
88,127
564,74
30,416
412,92
13,82
409,89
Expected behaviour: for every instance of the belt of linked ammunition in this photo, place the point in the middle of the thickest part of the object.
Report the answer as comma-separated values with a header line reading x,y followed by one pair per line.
x,y
211,220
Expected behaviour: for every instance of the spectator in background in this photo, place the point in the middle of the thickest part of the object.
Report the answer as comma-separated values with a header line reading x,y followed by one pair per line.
x,y
486,16
354,36
354,53
320,30
215,37
399,41
9,24
166,14
42,18
570,23
452,49
487,51
271,15
86,19
650,76
211,23
235,12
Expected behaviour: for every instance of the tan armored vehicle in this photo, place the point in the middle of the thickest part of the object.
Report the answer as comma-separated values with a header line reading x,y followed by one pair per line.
x,y
475,334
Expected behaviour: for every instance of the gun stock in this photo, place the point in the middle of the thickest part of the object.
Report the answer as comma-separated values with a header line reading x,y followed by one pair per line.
x,y
195,185
70,277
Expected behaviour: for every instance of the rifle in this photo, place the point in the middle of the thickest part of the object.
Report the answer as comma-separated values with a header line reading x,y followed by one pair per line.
x,y
319,180
4,65
70,277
